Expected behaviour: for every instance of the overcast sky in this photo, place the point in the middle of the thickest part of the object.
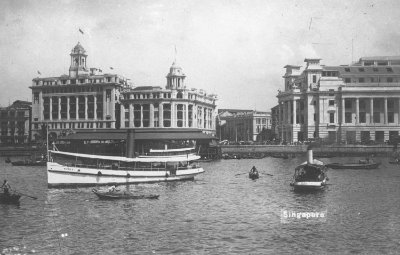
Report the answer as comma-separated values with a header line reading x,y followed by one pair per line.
x,y
235,49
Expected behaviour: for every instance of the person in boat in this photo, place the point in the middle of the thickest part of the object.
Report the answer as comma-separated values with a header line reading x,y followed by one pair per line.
x,y
112,189
6,187
253,170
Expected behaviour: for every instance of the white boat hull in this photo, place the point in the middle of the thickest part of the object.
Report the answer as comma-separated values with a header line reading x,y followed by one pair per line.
x,y
311,185
64,176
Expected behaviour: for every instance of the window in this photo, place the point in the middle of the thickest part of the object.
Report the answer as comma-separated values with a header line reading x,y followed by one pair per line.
x,y
331,117
377,117
347,117
36,98
389,70
375,69
347,104
390,104
347,80
361,80
361,69
146,115
390,117
362,117
167,115
331,102
347,69
137,115
389,79
179,115
314,78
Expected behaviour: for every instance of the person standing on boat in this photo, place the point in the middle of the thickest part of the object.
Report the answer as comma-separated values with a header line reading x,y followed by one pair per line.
x,y
6,187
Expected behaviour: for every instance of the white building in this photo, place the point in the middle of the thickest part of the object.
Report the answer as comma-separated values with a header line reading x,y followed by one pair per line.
x,y
358,102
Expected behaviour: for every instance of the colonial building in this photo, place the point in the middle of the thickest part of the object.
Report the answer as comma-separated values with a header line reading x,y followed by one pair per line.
x,y
15,123
174,106
348,103
243,125
83,99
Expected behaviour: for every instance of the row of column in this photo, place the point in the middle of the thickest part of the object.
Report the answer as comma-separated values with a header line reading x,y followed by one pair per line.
x,y
105,107
371,110
174,118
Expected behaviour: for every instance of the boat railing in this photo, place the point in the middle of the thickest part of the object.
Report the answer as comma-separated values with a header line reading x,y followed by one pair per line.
x,y
116,167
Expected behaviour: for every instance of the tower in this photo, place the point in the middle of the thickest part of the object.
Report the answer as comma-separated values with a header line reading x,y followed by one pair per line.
x,y
175,77
78,61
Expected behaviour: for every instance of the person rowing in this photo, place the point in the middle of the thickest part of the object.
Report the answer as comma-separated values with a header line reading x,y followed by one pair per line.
x,y
6,187
253,170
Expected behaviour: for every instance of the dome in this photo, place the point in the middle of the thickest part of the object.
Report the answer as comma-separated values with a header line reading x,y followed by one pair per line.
x,y
175,69
78,49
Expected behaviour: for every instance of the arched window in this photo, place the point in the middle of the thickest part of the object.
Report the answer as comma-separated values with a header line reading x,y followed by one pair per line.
x,y
179,95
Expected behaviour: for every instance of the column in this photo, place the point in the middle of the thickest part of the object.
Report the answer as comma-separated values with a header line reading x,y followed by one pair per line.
x,y
161,115
113,107
186,115
288,112
343,111
371,110
41,105
51,107
76,107
130,115
59,108
86,107
385,110
357,110
294,112
105,103
151,115
122,115
95,107
141,115
68,108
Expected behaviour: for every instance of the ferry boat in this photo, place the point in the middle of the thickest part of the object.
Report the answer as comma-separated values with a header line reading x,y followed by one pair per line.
x,y
66,169
310,175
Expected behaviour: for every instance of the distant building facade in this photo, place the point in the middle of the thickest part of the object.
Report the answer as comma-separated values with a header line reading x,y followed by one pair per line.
x,y
15,125
243,125
174,106
352,103
84,99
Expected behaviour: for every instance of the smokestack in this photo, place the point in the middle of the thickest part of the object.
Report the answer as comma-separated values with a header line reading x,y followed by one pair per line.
x,y
130,143
310,159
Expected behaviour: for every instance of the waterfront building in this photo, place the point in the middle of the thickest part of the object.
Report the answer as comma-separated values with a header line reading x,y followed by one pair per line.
x,y
243,125
352,103
275,121
15,125
86,98
172,107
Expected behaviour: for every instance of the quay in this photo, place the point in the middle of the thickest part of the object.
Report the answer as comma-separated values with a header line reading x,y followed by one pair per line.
x,y
323,150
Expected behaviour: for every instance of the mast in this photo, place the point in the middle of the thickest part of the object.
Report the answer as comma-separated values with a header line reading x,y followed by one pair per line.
x,y
47,142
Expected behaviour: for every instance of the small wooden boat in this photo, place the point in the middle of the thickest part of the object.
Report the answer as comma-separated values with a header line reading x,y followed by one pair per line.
x,y
254,175
9,198
360,165
121,195
29,163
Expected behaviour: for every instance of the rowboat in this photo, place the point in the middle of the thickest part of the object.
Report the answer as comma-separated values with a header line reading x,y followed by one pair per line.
x,y
371,165
66,169
29,163
310,175
121,195
9,198
253,174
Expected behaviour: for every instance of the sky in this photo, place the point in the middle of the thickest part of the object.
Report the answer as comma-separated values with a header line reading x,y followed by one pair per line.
x,y
233,48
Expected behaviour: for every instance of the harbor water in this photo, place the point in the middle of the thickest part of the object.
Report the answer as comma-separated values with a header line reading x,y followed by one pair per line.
x,y
221,212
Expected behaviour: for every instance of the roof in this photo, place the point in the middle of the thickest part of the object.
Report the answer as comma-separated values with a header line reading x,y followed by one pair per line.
x,y
147,88
143,134
365,70
380,58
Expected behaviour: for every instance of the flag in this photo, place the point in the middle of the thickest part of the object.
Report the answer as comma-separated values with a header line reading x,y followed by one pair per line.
x,y
80,30
112,68
39,73
100,70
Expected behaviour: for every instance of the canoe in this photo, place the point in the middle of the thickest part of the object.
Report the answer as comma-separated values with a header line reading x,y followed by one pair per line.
x,y
9,199
121,195
354,165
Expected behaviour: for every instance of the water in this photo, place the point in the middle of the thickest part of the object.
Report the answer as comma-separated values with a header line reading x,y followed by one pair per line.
x,y
221,212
